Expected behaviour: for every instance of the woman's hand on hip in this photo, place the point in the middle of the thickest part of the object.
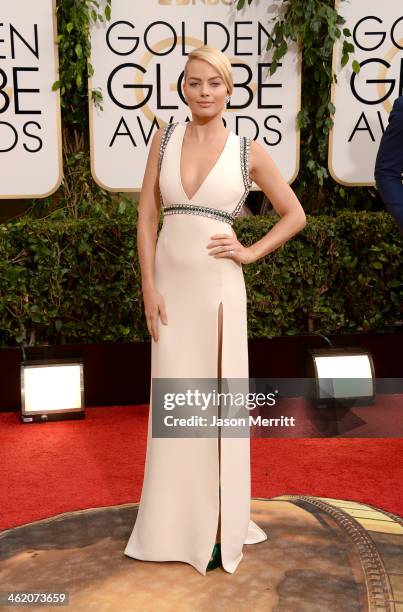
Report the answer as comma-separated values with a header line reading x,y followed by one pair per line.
x,y
154,306
223,245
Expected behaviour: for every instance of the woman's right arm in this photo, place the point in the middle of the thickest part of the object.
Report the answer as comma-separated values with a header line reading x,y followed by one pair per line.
x,y
147,228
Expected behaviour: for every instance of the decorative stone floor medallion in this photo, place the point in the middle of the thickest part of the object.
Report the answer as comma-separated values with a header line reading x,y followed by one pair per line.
x,y
321,554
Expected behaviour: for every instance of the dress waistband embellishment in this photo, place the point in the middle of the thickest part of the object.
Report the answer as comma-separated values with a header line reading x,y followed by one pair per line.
x,y
205,211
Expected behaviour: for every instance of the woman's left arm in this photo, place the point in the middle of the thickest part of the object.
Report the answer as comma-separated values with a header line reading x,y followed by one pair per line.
x,y
265,173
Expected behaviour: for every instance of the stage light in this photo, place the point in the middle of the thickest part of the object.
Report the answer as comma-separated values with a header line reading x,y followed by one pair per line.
x,y
52,389
342,376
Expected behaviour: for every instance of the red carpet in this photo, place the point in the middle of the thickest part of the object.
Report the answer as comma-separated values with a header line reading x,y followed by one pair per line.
x,y
46,469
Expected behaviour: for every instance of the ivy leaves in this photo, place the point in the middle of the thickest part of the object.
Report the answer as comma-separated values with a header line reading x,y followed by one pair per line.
x,y
241,3
315,25
74,20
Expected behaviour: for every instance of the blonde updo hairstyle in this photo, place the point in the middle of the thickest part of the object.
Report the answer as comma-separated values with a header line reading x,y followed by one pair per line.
x,y
215,58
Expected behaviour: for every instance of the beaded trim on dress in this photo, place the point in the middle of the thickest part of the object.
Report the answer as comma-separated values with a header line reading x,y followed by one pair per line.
x,y
207,210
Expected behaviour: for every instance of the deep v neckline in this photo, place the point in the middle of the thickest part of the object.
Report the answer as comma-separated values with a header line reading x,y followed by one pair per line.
x,y
184,126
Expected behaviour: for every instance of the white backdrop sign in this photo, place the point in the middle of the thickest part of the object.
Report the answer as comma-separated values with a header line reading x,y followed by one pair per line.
x,y
138,60
363,101
30,126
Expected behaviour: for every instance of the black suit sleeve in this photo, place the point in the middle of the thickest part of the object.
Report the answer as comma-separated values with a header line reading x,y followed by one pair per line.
x,y
389,163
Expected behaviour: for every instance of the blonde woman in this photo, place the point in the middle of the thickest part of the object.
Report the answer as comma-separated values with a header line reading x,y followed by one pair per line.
x,y
195,500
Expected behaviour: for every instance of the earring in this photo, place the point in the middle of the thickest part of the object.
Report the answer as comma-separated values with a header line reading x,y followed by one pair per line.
x,y
228,99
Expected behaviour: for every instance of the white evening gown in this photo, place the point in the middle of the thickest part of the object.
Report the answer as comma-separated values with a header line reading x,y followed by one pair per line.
x,y
182,488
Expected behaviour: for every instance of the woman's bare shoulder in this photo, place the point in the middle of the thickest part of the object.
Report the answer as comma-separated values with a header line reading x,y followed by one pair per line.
x,y
155,145
156,140
258,156
158,135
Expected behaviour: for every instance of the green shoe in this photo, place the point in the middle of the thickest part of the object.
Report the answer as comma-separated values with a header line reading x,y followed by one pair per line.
x,y
215,560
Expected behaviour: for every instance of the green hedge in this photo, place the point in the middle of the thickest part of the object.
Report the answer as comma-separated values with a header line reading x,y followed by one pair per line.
x,y
78,280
